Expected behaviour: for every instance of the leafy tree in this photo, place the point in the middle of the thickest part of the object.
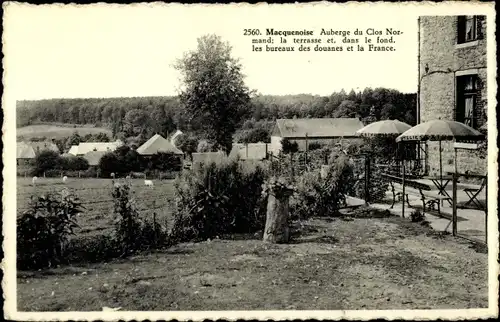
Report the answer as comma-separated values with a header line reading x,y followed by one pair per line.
x,y
166,162
289,147
214,90
109,163
346,109
256,135
135,121
47,160
205,146
187,143
75,139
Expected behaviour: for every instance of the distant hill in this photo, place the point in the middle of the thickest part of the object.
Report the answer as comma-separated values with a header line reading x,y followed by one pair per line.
x,y
58,131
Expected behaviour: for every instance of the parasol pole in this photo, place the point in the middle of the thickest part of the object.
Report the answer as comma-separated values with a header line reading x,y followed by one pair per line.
x,y
403,205
440,164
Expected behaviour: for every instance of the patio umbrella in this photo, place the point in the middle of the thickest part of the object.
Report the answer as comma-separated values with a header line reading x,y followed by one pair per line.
x,y
440,130
384,128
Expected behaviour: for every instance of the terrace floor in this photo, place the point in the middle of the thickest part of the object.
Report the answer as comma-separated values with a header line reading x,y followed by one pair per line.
x,y
471,222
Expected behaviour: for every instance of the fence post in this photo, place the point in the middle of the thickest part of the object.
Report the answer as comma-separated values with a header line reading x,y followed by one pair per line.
x,y
307,148
155,241
454,205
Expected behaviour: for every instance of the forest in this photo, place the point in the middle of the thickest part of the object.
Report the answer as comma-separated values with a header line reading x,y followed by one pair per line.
x,y
141,117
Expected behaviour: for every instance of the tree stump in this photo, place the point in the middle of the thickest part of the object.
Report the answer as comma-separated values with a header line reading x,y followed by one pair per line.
x,y
277,230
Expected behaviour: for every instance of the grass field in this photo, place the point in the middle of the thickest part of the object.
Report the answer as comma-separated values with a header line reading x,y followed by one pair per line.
x,y
95,195
363,263
57,131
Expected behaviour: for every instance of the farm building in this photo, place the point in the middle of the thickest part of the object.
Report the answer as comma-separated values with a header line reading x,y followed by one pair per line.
x,y
93,158
453,83
307,131
85,147
28,151
157,144
250,151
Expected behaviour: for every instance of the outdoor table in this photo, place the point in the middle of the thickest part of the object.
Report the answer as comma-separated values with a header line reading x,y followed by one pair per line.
x,y
441,182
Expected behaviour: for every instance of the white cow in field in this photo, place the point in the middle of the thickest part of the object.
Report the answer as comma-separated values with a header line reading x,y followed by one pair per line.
x,y
112,175
33,181
148,183
65,179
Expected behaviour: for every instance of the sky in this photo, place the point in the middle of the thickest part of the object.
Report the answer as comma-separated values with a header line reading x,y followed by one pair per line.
x,y
112,51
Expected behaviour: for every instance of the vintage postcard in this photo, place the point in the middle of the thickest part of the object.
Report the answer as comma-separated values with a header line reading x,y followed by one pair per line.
x,y
250,161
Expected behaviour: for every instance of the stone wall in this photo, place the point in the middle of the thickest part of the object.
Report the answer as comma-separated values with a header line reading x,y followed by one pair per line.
x,y
441,60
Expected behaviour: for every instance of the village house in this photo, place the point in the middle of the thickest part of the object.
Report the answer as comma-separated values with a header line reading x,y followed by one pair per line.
x,y
313,130
85,147
158,144
452,83
28,151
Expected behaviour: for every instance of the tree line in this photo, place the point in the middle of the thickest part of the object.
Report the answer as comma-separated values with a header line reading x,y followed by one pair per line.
x,y
136,116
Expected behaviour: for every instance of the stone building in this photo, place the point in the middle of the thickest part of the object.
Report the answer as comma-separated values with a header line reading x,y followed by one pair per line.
x,y
452,83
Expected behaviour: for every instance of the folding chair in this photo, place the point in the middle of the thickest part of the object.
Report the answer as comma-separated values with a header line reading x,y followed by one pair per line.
x,y
472,193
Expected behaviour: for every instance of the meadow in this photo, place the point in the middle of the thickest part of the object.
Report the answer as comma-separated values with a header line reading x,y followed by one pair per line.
x,y
95,196
52,131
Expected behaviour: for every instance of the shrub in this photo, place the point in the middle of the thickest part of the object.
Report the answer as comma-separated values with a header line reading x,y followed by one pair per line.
x,y
218,198
377,186
127,218
47,160
153,235
165,162
73,163
108,163
288,146
314,146
92,249
43,230
417,216
322,196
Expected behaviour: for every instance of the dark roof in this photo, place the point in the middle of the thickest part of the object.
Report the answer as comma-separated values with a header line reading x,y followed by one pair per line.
x,y
317,128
